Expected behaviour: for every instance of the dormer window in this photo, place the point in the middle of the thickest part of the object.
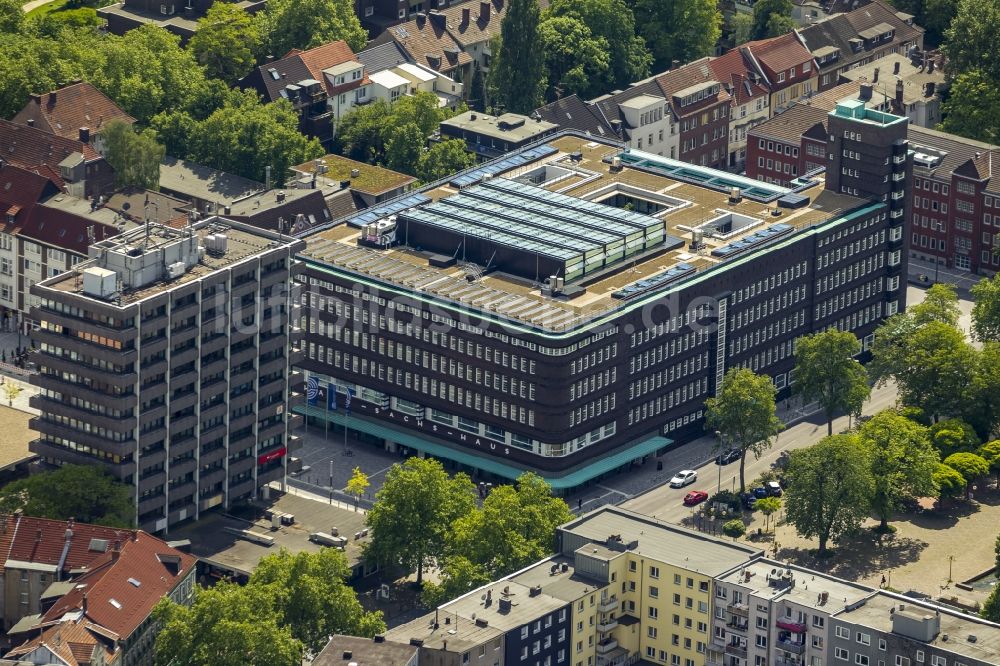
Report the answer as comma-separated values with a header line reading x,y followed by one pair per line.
x,y
806,67
781,77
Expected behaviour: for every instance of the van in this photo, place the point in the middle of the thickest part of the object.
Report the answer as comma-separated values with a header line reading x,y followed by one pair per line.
x,y
324,539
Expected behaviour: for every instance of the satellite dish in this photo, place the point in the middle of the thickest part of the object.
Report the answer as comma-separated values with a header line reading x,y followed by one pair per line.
x,y
126,206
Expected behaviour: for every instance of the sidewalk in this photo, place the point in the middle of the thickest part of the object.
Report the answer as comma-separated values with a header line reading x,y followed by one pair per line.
x,y
21,401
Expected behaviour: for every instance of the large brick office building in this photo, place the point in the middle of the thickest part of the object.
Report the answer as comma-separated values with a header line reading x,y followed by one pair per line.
x,y
557,310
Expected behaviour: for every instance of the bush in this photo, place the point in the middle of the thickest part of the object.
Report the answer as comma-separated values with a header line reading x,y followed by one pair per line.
x,y
734,528
727,497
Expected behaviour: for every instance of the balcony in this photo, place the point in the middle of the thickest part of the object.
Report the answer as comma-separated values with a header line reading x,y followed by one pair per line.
x,y
605,626
791,646
794,627
736,650
609,644
741,627
739,609
789,661
607,604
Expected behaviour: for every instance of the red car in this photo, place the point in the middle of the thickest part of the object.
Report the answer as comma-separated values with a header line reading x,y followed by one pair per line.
x,y
695,497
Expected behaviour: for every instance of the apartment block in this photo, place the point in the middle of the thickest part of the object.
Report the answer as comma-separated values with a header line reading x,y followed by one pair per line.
x,y
166,358
635,590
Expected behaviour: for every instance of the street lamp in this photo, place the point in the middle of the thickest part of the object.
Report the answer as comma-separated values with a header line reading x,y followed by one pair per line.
x,y
718,487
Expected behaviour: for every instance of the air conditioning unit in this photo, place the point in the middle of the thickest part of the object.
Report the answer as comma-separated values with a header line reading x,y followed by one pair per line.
x,y
176,269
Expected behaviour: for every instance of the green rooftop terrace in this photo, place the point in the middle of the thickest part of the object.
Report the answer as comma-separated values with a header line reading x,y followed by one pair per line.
x,y
857,109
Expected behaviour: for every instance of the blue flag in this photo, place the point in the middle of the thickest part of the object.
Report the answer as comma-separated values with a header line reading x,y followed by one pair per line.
x,y
347,400
331,397
312,390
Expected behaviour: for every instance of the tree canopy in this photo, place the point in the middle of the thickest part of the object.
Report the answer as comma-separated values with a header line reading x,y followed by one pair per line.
x,y
768,15
577,62
291,602
86,493
948,481
827,372
134,156
443,159
743,412
681,30
902,461
953,436
517,73
986,308
830,488
970,465
969,40
226,41
614,22
304,24
414,511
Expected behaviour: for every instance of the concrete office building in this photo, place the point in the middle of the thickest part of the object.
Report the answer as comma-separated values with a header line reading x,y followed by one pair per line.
x,y
166,358
536,312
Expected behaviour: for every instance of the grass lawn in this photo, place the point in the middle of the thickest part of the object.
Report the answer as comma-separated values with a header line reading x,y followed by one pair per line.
x,y
54,6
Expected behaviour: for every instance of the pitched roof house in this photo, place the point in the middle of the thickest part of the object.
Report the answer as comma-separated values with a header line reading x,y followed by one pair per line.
x,y
83,170
78,111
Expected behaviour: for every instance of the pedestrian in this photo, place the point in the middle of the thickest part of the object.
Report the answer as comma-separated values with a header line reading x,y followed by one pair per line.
x,y
579,504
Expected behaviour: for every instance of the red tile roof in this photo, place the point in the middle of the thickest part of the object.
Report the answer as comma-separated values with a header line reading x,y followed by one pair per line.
x,y
738,73
120,589
24,187
42,541
64,111
298,65
691,74
75,643
31,147
782,53
63,229
322,57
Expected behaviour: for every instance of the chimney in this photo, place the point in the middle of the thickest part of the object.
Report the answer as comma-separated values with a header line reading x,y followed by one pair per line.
x,y
437,18
31,122
465,15
52,97
674,64
116,551
421,19
84,135
929,88
84,604
36,98
875,76
865,92
899,93
484,10
895,67
269,58
930,66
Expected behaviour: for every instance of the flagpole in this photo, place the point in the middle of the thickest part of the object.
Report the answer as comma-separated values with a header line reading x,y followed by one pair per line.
x,y
326,434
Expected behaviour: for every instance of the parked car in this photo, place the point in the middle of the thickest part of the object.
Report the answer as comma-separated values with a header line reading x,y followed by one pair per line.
x,y
727,456
749,501
773,488
695,497
683,478
760,492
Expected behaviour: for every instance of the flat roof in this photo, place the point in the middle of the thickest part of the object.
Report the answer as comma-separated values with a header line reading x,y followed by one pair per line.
x,y
518,128
641,101
457,634
371,179
212,542
680,196
243,242
806,591
205,183
565,585
956,628
484,604
663,541
416,71
16,437
364,652
388,79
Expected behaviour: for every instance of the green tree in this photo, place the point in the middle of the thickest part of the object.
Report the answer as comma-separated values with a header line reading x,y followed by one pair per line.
x,y
902,461
743,412
514,527
940,304
517,73
779,25
764,10
742,25
935,19
830,488
84,492
972,108
990,452
948,481
932,364
357,485
614,22
458,576
969,465
991,607
982,411
953,436
305,24
443,159
986,309
227,625
576,61
827,372
477,89
134,156
309,593
969,40
12,390
226,41
11,16
245,137
734,528
414,511
681,30
360,135
767,506
404,147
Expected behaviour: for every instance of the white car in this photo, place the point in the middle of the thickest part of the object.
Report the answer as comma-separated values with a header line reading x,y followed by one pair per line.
x,y
683,478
